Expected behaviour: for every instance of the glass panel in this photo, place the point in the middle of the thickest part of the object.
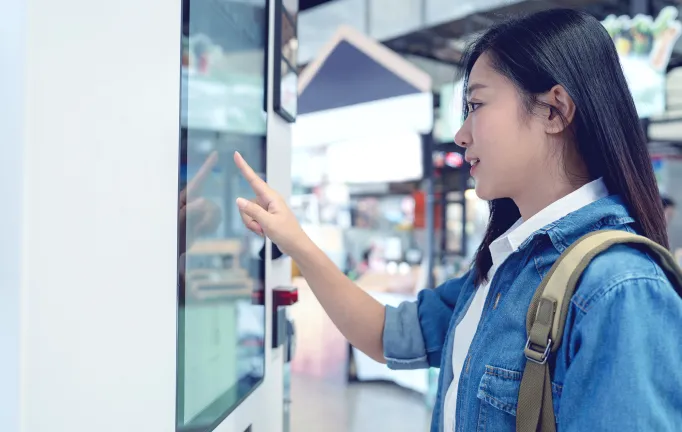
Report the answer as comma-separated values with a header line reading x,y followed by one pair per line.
x,y
289,89
291,8
289,39
221,324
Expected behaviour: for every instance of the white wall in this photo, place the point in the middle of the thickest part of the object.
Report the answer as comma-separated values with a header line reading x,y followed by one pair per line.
x,y
96,232
409,114
12,41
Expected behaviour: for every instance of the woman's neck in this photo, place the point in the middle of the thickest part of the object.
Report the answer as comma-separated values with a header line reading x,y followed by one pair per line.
x,y
562,176
533,203
544,192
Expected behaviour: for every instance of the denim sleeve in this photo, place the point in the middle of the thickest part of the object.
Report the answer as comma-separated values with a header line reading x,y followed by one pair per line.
x,y
414,332
625,372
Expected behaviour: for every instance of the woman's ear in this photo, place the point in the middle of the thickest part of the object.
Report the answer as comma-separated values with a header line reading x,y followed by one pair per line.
x,y
561,109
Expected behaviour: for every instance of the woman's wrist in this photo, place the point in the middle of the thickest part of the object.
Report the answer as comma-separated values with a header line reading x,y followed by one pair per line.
x,y
302,248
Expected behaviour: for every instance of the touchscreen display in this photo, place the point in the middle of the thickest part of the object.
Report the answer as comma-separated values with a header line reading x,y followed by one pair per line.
x,y
221,325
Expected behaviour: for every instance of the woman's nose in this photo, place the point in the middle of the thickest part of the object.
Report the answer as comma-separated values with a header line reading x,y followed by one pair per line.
x,y
463,137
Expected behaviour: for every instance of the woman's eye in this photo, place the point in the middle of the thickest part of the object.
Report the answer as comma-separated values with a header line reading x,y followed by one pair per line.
x,y
472,106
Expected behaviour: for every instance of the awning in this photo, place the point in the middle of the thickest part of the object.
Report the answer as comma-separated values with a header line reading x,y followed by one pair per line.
x,y
358,87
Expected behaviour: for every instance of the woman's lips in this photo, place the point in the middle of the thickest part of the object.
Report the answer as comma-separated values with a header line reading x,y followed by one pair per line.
x,y
474,164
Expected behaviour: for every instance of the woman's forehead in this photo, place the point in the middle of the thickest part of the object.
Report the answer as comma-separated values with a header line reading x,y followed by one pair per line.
x,y
483,76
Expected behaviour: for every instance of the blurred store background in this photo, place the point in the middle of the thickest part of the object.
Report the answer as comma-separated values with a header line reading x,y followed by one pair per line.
x,y
379,184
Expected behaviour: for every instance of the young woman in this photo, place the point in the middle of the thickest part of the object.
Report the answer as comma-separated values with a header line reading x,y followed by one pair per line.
x,y
556,146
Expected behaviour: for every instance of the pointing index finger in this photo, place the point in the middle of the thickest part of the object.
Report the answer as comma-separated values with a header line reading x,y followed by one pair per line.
x,y
257,184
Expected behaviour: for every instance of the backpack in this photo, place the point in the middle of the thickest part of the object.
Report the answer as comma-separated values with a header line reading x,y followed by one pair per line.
x,y
547,315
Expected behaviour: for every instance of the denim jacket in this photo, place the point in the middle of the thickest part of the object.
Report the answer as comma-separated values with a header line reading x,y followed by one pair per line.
x,y
619,367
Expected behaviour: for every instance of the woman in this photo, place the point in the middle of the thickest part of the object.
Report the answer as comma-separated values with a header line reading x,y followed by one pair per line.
x,y
555,145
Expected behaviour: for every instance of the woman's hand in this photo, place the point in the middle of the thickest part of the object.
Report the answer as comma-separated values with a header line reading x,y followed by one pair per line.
x,y
268,214
359,316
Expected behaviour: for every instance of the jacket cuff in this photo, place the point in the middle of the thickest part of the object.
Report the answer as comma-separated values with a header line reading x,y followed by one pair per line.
x,y
403,340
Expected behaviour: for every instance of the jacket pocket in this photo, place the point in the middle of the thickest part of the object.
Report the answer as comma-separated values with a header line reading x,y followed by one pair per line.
x,y
498,393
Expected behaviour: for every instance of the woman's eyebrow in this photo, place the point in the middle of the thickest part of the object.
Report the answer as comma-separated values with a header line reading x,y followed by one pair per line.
x,y
473,87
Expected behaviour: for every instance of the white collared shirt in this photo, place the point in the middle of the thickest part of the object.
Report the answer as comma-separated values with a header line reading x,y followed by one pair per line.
x,y
500,249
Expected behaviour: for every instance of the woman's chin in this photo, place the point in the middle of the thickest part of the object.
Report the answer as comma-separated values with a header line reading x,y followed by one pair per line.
x,y
487,193
482,192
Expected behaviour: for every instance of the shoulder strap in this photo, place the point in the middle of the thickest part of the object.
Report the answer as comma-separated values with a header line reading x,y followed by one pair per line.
x,y
547,316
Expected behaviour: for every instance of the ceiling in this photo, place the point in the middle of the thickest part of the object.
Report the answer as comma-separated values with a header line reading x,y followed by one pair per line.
x,y
446,41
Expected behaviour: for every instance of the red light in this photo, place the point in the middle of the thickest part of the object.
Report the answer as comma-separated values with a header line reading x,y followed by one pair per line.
x,y
454,160
284,296
280,297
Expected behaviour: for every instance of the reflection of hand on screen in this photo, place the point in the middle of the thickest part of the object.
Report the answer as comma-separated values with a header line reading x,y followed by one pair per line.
x,y
194,185
197,215
203,217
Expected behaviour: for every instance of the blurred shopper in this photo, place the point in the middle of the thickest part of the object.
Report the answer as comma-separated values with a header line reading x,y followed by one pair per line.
x,y
555,145
669,208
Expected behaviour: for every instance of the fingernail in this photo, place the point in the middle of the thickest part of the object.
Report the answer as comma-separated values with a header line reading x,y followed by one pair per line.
x,y
241,203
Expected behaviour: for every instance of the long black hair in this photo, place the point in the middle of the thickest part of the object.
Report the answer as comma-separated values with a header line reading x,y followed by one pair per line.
x,y
573,49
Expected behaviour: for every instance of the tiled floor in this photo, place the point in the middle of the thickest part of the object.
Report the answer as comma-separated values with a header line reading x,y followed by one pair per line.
x,y
321,399
324,406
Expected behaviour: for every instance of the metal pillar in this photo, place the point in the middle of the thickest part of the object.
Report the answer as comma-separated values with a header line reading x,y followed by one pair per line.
x,y
427,145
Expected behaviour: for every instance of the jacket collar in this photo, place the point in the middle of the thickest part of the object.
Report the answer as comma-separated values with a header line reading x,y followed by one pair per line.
x,y
609,212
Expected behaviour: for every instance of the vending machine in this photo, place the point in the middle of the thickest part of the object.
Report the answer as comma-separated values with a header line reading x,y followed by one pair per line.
x,y
133,299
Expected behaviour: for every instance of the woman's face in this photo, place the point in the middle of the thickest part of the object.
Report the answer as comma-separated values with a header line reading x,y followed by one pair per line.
x,y
506,146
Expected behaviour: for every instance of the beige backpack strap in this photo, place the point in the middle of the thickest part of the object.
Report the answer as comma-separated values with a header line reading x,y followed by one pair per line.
x,y
547,316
